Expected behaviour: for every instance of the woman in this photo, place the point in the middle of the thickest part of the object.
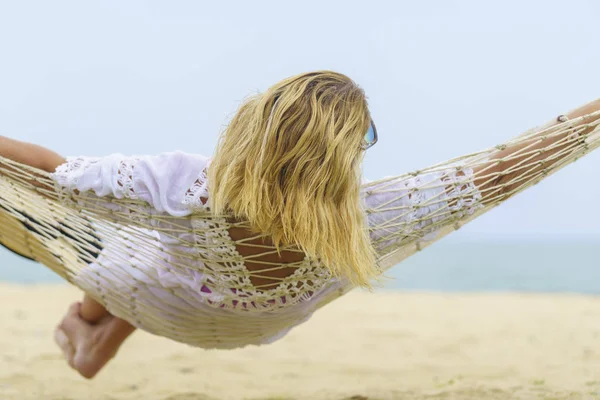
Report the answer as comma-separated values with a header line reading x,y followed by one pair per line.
x,y
288,164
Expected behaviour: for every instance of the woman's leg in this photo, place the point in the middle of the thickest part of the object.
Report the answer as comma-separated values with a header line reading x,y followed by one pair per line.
x,y
92,311
90,336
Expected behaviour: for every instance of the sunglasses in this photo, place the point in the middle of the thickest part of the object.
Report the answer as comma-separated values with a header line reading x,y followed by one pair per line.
x,y
370,137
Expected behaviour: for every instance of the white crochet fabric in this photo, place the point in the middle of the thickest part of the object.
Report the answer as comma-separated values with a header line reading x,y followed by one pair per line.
x,y
173,184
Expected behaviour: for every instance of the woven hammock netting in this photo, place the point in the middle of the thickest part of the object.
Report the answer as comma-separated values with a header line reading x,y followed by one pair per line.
x,y
139,263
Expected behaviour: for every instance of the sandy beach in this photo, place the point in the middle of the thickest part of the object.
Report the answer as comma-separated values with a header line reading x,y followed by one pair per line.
x,y
365,346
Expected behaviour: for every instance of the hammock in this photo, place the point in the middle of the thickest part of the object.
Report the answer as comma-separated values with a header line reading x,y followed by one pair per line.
x,y
70,233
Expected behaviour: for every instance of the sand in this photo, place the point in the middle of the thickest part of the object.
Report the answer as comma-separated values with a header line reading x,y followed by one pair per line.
x,y
365,346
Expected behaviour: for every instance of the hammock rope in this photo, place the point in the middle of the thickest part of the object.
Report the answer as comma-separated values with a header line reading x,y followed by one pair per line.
x,y
70,232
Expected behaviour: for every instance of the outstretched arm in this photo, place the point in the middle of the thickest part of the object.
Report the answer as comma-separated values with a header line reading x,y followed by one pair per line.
x,y
30,154
416,206
518,164
33,155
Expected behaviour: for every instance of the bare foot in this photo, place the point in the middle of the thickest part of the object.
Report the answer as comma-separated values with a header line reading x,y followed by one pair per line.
x,y
88,347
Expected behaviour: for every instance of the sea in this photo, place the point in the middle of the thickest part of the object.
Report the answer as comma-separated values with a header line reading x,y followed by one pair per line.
x,y
454,264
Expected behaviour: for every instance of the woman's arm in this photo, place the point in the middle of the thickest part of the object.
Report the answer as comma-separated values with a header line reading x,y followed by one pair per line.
x,y
417,205
35,156
30,154
170,183
518,164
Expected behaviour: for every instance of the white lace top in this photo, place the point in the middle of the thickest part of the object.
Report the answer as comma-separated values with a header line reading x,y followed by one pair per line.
x,y
173,184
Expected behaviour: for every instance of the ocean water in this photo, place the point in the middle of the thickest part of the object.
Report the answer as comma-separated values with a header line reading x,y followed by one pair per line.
x,y
451,265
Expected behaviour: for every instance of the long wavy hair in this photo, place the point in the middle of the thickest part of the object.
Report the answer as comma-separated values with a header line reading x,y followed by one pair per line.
x,y
289,163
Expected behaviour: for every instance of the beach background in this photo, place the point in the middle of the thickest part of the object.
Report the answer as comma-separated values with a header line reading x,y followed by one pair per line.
x,y
508,307
463,319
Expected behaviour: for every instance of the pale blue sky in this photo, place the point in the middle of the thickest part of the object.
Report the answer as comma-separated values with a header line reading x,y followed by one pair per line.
x,y
443,77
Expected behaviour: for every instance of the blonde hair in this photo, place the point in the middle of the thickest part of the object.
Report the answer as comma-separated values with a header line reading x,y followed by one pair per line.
x,y
289,163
